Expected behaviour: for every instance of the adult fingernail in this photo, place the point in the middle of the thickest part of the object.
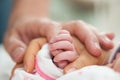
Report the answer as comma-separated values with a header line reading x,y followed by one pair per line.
x,y
18,54
97,50
97,45
106,39
71,70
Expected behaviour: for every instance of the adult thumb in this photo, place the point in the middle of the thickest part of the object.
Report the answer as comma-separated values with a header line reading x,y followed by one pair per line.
x,y
15,47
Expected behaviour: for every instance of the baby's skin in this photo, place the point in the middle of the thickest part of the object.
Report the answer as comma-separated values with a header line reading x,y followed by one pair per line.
x,y
67,50
62,49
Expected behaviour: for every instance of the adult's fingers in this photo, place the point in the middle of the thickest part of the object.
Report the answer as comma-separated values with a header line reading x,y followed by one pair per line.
x,y
85,58
31,52
110,35
105,39
83,32
105,42
15,46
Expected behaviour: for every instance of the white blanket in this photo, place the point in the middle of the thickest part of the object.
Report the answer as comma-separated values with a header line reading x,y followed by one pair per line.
x,y
45,69
6,64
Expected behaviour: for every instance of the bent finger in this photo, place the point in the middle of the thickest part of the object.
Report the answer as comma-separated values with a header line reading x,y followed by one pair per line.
x,y
66,56
62,64
61,37
61,45
15,46
31,52
83,32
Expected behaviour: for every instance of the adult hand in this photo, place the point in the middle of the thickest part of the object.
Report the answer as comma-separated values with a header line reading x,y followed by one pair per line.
x,y
85,58
23,30
29,58
90,37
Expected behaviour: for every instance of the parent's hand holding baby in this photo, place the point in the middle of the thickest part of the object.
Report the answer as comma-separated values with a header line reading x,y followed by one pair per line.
x,y
20,33
110,36
27,22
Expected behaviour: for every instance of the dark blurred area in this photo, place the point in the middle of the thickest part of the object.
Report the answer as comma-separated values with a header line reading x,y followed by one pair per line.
x,y
5,7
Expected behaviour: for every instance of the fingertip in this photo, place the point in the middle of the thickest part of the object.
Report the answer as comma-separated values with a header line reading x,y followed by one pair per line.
x,y
106,43
62,64
29,66
110,35
95,49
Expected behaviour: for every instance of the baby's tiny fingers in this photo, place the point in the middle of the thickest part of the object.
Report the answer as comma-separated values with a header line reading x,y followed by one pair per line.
x,y
61,37
66,56
64,32
62,64
61,45
56,52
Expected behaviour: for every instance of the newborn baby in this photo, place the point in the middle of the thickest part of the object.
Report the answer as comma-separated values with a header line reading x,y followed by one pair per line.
x,y
64,53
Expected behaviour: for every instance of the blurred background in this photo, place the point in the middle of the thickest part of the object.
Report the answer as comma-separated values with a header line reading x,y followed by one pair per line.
x,y
103,14
5,7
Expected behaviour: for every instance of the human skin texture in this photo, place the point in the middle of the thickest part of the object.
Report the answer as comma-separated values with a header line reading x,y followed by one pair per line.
x,y
69,53
84,59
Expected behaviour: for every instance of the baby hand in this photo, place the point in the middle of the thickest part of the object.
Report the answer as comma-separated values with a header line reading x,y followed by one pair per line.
x,y
62,49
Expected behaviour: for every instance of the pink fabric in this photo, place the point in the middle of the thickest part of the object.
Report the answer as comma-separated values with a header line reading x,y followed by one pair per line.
x,y
47,70
41,73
